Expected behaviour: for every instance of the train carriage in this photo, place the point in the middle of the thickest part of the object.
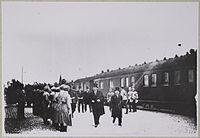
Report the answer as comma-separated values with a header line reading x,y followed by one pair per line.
x,y
166,85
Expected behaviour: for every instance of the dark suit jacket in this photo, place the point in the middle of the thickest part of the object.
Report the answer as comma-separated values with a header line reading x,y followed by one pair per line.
x,y
98,107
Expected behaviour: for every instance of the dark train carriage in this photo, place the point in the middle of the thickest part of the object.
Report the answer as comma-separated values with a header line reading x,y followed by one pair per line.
x,y
166,85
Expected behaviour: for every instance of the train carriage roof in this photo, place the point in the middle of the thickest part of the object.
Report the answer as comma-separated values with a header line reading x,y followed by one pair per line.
x,y
176,62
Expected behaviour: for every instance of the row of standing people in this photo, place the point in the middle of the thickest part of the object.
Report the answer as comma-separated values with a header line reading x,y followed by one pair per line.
x,y
56,106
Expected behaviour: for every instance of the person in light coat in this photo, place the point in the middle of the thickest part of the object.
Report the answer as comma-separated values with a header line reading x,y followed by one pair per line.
x,y
130,99
135,99
124,95
64,104
109,95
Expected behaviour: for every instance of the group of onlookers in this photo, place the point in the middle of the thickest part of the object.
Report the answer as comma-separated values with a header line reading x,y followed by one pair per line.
x,y
59,104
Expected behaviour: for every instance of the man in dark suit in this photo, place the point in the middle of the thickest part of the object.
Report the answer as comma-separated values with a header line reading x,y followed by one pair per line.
x,y
87,99
80,99
97,104
74,98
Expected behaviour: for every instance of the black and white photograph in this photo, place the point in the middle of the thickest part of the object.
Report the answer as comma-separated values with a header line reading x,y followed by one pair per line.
x,y
99,68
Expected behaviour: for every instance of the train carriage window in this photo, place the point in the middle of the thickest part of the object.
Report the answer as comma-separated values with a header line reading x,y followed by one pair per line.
x,y
177,77
97,82
190,75
122,82
146,80
127,82
82,86
165,79
132,79
111,84
101,85
153,80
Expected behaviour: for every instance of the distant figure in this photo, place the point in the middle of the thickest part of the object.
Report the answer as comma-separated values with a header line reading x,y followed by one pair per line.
x,y
116,104
55,107
46,104
87,99
74,99
130,99
21,104
80,99
97,104
135,99
64,102
109,95
124,95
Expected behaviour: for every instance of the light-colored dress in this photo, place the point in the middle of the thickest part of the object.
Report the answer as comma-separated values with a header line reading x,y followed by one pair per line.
x,y
64,105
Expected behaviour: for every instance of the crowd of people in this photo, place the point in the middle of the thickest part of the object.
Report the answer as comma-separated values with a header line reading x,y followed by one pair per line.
x,y
57,103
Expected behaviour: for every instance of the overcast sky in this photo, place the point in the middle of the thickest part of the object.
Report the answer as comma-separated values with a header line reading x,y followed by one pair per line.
x,y
76,40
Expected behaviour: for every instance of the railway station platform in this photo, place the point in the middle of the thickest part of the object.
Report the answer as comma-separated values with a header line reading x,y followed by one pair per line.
x,y
140,123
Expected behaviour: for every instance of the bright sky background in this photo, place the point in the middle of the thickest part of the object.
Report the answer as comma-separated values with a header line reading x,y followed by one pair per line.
x,y
77,39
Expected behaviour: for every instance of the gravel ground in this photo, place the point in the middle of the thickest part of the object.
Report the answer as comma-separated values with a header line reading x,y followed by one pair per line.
x,y
141,123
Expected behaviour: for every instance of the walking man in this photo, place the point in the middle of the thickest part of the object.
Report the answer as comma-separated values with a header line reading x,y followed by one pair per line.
x,y
116,104
97,104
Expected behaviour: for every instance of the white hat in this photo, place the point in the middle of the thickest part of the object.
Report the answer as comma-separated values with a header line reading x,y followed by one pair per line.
x,y
64,86
53,88
47,88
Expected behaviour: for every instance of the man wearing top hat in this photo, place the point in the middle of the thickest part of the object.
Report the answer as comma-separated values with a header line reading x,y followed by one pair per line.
x,y
97,104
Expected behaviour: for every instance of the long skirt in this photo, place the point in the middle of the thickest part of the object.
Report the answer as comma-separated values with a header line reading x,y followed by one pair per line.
x,y
63,115
56,110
